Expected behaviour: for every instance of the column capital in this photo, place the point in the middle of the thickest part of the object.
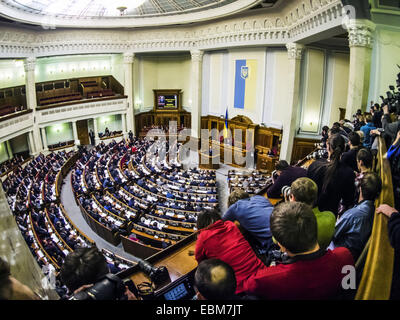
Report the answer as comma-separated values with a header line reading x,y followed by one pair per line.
x,y
129,57
197,55
295,50
30,64
360,33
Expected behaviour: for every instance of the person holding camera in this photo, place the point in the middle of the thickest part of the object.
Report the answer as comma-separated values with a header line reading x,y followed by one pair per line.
x,y
86,275
390,128
284,176
310,272
306,191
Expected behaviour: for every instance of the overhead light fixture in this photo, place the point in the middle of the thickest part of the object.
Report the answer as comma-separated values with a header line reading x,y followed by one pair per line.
x,y
122,5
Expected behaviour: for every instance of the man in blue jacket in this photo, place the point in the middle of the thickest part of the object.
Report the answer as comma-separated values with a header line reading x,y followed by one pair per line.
x,y
253,214
354,227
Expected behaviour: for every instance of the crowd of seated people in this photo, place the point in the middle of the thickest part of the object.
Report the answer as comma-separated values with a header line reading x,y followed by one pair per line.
x,y
251,183
323,223
121,184
11,164
32,198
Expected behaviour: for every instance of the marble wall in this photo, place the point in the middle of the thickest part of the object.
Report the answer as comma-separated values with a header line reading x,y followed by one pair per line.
x,y
14,249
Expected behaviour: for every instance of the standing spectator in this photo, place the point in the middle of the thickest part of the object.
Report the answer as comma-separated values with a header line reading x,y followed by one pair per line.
x,y
92,137
366,130
350,157
335,180
355,225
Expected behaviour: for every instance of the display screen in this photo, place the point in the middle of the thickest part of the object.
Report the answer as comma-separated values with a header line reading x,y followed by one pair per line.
x,y
176,293
167,101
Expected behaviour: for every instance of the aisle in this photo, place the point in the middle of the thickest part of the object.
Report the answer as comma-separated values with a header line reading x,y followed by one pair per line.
x,y
74,213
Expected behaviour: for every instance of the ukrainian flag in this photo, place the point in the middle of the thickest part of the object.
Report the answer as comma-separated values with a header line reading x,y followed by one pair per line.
x,y
226,124
245,84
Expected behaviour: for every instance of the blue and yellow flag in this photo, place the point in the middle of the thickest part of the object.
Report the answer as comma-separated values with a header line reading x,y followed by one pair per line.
x,y
245,84
226,124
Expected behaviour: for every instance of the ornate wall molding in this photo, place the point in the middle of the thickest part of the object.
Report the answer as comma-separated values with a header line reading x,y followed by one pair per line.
x,y
293,23
295,50
361,33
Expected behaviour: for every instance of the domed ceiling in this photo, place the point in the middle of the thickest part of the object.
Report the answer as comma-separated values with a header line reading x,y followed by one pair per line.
x,y
122,13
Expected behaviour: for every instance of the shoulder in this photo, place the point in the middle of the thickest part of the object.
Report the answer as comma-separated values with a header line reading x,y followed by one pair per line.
x,y
342,255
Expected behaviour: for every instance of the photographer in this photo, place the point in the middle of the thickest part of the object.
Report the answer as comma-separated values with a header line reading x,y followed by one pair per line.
x,y
390,128
284,176
84,269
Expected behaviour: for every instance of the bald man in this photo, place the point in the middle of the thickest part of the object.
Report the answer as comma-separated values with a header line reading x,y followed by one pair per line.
x,y
215,280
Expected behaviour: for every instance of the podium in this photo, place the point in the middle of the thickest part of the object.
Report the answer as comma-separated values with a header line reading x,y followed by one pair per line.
x,y
208,162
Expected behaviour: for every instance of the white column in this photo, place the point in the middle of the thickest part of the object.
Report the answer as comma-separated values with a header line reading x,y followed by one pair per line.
x,y
128,89
360,43
44,139
75,131
295,53
96,133
30,87
196,79
9,150
123,121
32,147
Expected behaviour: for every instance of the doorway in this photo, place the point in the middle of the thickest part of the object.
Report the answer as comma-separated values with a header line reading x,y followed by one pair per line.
x,y
83,132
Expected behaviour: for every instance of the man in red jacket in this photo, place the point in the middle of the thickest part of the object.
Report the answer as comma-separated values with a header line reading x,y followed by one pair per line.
x,y
223,240
309,272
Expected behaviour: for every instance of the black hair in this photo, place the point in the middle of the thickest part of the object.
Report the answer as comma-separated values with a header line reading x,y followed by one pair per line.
x,y
294,226
366,157
281,165
207,218
215,280
371,186
337,144
354,138
83,266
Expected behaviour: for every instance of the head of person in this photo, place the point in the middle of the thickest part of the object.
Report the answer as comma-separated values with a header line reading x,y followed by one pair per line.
x,y
280,166
370,186
294,227
82,267
236,195
364,160
354,139
207,218
368,118
334,130
304,190
215,280
325,130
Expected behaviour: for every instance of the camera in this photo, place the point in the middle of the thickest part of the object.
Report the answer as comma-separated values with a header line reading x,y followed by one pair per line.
x,y
392,99
157,274
319,154
109,287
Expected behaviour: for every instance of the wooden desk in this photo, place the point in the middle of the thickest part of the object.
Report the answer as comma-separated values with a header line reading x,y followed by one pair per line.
x,y
178,264
208,162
